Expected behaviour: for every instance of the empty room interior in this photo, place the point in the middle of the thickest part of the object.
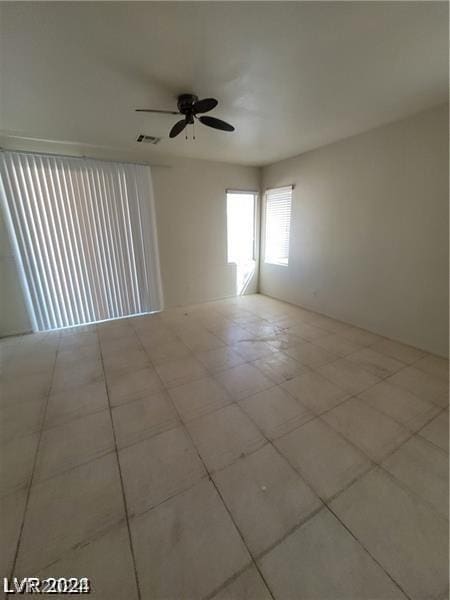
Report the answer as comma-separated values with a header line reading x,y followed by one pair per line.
x,y
224,281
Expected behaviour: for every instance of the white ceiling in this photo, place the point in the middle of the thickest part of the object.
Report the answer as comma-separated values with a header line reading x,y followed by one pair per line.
x,y
290,76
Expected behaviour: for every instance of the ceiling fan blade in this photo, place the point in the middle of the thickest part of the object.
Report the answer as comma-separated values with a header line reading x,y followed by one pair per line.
x,y
151,110
178,128
202,106
216,123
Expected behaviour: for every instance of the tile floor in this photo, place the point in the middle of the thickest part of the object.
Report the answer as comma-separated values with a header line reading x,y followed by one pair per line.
x,y
240,449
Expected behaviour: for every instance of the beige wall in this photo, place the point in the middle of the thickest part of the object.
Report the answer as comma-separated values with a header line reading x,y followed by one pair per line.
x,y
190,203
191,214
369,237
369,232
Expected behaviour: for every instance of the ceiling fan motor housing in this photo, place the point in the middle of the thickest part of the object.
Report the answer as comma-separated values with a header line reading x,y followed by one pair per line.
x,y
185,103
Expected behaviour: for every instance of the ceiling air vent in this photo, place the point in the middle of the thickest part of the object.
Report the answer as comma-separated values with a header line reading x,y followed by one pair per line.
x,y
148,139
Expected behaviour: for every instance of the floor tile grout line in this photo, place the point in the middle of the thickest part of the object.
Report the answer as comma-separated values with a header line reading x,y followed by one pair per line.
x,y
270,442
372,465
290,531
357,395
343,323
411,492
413,433
226,343
181,422
230,580
84,542
255,564
273,323
151,435
187,432
378,464
136,514
323,503
403,424
314,368
211,373
349,395
384,457
105,530
372,462
33,468
323,506
386,572
381,379
76,417
124,499
148,436
435,446
73,467
314,415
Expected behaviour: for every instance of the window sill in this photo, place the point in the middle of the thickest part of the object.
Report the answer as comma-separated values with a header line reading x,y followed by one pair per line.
x,y
276,264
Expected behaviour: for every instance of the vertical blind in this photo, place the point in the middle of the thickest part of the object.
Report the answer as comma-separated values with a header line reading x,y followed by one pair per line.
x,y
85,237
277,225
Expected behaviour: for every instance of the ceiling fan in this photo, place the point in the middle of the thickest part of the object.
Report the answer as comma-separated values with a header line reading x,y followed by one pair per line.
x,y
190,106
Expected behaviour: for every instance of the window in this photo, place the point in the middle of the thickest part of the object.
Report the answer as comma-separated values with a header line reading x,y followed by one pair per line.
x,y
85,235
241,226
278,224
241,236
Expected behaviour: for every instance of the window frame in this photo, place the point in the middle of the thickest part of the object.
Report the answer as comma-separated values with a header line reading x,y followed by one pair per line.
x,y
255,195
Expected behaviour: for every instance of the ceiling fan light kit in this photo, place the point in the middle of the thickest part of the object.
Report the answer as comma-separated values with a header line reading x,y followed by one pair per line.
x,y
190,106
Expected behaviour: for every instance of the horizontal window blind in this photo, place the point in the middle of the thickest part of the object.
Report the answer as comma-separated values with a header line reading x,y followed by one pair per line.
x,y
85,235
277,225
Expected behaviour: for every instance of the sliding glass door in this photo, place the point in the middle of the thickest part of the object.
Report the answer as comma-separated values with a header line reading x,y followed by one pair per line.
x,y
85,236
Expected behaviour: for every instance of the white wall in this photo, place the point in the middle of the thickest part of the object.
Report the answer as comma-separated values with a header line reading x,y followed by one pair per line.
x,y
190,203
369,232
369,239
192,229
